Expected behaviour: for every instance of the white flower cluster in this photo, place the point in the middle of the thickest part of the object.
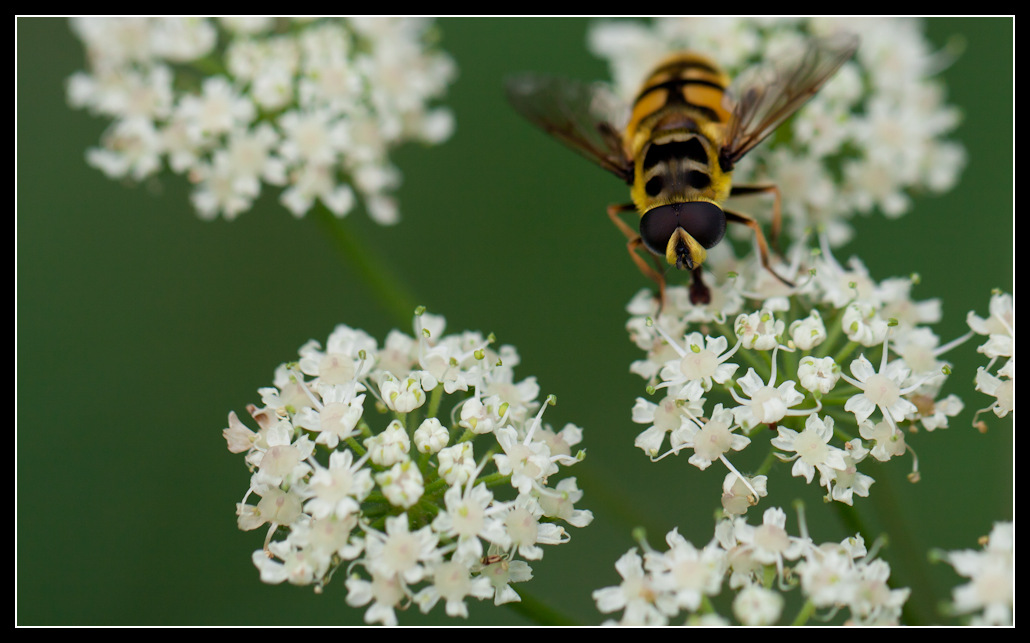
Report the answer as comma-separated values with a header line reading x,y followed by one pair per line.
x,y
873,134
989,596
840,367
754,562
312,106
1000,329
421,466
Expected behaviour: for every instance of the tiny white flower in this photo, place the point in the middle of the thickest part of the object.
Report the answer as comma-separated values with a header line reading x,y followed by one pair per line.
x,y
298,566
279,507
239,437
402,484
701,362
827,577
686,572
739,493
385,593
999,326
759,330
635,594
390,446
879,390
528,462
809,332
818,374
526,530
766,403
888,440
431,436
401,395
665,417
1002,389
401,552
338,417
217,110
457,463
132,147
811,448
338,489
284,458
863,324
873,601
501,572
898,303
756,605
560,503
470,515
182,39
711,441
769,543
934,414
452,582
481,416
221,190
850,482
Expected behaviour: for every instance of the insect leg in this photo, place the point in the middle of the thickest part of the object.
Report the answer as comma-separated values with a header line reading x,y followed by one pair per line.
x,y
763,246
777,222
655,274
614,210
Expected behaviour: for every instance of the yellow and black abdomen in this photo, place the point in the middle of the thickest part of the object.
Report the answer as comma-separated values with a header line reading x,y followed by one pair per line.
x,y
675,131
685,82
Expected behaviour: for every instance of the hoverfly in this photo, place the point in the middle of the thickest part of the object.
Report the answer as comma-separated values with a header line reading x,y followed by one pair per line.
x,y
677,144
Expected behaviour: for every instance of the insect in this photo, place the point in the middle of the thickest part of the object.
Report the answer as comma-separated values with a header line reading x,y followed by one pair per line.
x,y
677,144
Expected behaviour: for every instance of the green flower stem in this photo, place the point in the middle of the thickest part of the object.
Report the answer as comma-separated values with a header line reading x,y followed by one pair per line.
x,y
389,291
434,401
921,607
536,611
853,523
846,350
833,332
356,447
767,463
806,612
494,479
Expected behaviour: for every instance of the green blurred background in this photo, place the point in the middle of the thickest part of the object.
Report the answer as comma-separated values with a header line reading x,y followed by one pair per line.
x,y
139,327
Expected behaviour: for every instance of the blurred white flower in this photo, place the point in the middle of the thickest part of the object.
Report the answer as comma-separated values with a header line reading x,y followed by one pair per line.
x,y
236,104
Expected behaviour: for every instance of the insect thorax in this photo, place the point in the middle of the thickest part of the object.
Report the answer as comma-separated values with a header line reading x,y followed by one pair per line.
x,y
677,165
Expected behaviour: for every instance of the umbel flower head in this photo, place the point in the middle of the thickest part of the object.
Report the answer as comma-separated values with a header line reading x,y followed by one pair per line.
x,y
872,135
754,564
837,365
312,106
421,469
839,368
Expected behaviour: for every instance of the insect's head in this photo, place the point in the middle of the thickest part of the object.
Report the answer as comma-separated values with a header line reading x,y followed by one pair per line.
x,y
682,232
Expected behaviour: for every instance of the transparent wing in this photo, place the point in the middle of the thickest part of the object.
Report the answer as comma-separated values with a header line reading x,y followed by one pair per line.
x,y
584,116
764,97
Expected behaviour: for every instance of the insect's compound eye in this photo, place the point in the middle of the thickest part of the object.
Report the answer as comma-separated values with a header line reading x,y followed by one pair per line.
x,y
704,221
